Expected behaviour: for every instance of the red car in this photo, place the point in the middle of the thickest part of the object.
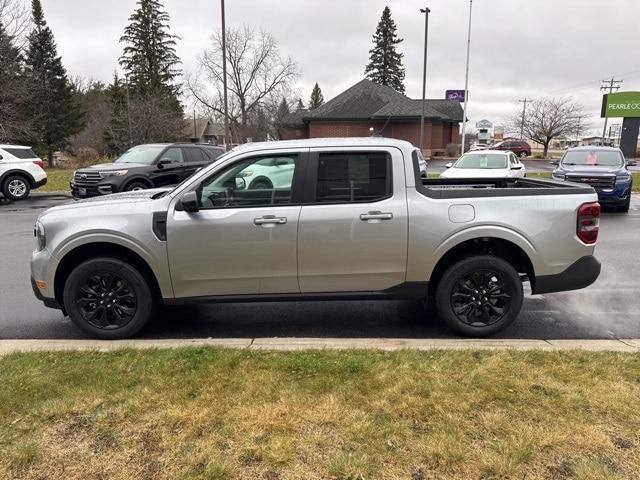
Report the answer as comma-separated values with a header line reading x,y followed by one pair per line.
x,y
519,147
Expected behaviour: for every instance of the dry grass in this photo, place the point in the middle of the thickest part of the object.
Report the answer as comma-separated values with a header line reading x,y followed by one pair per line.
x,y
230,414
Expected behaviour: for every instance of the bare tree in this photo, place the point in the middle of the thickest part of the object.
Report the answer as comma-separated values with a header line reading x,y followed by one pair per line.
x,y
256,74
549,118
16,17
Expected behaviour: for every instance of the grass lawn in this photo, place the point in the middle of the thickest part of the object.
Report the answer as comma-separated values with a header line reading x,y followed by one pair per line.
x,y
57,180
207,413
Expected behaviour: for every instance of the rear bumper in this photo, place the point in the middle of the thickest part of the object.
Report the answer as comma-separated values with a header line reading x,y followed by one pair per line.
x,y
580,274
39,183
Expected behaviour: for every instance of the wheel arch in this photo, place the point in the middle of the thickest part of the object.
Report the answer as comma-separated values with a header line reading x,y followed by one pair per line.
x,y
83,252
26,175
139,179
486,245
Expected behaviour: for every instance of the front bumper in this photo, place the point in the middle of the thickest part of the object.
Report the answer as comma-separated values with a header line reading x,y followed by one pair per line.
x,y
48,302
86,191
582,273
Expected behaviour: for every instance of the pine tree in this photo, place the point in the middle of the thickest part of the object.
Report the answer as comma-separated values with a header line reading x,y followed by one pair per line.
x,y
149,57
13,90
300,105
52,106
316,98
116,135
385,63
283,110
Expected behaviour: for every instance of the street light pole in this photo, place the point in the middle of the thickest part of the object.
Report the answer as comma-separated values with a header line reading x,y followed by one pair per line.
x,y
466,82
424,73
224,76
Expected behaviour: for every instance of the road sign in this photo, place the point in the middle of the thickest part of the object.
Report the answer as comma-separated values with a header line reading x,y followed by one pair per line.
x,y
455,95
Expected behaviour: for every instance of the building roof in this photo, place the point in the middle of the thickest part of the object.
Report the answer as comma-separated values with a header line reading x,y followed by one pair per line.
x,y
295,118
204,125
367,100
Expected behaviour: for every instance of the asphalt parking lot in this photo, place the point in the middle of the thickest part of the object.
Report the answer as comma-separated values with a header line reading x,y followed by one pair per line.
x,y
608,309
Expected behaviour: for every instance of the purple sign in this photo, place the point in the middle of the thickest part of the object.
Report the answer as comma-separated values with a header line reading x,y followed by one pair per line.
x,y
455,95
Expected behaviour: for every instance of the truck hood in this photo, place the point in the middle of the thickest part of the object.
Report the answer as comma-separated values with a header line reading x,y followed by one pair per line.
x,y
114,200
114,166
589,170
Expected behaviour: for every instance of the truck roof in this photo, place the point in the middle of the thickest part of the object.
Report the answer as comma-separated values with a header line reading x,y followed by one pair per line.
x,y
327,142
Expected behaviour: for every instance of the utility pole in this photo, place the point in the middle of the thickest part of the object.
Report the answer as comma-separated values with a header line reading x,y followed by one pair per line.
x,y
224,77
466,82
424,72
524,112
609,85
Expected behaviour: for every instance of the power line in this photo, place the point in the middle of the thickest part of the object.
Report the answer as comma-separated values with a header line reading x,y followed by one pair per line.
x,y
609,85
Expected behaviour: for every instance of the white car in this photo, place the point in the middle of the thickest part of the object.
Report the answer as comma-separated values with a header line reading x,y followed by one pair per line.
x,y
20,171
486,164
267,174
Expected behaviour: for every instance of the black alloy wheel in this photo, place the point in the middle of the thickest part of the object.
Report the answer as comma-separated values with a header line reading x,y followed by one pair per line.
x,y
480,298
106,301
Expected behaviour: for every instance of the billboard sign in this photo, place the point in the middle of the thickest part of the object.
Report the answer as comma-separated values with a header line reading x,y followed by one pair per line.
x,y
483,124
455,95
621,105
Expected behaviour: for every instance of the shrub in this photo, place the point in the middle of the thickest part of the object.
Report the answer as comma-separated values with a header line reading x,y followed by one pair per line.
x,y
86,156
452,149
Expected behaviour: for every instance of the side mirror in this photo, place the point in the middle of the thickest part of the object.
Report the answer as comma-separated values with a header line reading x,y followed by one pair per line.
x,y
554,162
516,167
448,165
241,183
631,163
189,202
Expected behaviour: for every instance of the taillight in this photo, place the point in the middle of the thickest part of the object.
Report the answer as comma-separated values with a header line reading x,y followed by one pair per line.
x,y
39,162
588,222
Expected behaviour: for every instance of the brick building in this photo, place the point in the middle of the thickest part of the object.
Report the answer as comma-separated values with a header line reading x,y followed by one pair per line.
x,y
367,106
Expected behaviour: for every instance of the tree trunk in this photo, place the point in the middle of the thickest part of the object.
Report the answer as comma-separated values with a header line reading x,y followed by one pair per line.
x,y
546,148
50,160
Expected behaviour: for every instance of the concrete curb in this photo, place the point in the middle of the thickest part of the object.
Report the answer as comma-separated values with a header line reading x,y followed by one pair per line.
x,y
291,344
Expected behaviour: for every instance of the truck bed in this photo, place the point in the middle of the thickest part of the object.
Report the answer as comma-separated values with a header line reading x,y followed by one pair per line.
x,y
497,187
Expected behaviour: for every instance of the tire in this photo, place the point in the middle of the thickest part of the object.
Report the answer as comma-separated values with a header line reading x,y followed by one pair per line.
x,y
134,186
624,207
108,280
463,281
261,183
523,154
16,187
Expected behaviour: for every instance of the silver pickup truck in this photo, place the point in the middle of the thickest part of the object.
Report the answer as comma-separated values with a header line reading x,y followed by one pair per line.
x,y
320,219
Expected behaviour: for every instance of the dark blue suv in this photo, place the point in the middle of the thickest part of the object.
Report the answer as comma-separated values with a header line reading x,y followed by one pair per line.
x,y
604,168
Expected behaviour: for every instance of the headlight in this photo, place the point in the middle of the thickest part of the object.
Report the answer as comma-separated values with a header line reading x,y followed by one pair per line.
x,y
623,177
558,176
38,232
245,173
114,173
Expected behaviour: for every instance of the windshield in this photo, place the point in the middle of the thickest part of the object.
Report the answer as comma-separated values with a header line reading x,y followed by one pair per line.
x,y
482,160
142,154
610,158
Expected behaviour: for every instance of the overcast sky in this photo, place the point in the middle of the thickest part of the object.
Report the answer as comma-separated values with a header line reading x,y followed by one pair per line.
x,y
519,48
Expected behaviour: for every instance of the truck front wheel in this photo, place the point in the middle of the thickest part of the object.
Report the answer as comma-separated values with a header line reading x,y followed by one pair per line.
x,y
108,298
479,295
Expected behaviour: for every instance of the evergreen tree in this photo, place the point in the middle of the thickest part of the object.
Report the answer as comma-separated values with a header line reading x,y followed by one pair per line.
x,y
149,58
316,98
385,63
116,135
52,106
283,111
13,91
300,105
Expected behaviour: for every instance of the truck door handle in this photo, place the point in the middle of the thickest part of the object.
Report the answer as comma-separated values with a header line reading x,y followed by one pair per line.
x,y
270,220
376,215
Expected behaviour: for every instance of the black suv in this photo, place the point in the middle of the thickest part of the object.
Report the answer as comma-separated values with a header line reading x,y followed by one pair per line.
x,y
144,166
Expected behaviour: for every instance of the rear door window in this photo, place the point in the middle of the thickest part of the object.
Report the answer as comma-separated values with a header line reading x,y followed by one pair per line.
x,y
21,153
194,155
353,177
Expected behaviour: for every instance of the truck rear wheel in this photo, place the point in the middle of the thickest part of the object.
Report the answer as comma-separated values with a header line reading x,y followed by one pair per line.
x,y
479,295
108,298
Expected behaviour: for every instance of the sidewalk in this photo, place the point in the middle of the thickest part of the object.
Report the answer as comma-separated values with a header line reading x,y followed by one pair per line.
x,y
286,344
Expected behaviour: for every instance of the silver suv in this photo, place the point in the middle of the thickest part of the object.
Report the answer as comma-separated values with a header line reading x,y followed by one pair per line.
x,y
329,219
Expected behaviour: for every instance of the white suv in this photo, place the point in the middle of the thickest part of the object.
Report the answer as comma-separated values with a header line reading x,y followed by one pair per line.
x,y
20,171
